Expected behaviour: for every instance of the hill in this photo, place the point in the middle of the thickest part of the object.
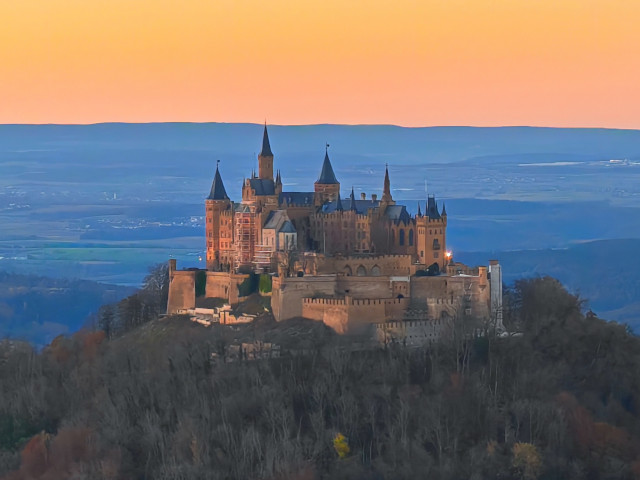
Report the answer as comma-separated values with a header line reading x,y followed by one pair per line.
x,y
559,400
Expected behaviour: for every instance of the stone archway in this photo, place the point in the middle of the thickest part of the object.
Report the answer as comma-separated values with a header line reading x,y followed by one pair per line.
x,y
375,271
347,271
361,271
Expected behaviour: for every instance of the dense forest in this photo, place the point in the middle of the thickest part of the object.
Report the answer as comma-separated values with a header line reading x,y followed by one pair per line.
x,y
151,398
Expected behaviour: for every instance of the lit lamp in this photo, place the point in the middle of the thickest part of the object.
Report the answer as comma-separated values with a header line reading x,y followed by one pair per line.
x,y
449,256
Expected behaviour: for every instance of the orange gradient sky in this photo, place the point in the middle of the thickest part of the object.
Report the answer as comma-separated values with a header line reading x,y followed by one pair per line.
x,y
405,62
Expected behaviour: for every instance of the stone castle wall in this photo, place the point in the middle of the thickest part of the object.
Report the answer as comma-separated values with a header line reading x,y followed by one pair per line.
x,y
182,290
352,315
287,293
370,265
453,295
224,285
346,302
182,287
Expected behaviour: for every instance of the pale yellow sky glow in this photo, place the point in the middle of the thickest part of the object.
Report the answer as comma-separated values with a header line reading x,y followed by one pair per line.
x,y
415,63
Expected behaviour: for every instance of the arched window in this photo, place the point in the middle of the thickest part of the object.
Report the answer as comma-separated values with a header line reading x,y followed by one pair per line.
x,y
401,236
411,238
375,271
347,271
361,272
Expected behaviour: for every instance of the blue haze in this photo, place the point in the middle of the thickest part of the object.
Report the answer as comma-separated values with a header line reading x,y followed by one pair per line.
x,y
103,202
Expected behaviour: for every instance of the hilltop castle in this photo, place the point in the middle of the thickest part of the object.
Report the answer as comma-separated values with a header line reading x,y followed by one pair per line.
x,y
252,234
350,262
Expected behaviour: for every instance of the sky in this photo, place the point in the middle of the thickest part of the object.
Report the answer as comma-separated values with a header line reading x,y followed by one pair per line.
x,y
563,63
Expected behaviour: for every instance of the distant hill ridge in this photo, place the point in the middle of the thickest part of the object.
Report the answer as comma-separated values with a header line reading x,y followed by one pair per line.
x,y
439,144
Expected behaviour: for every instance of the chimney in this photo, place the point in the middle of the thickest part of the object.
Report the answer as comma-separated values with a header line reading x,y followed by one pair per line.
x,y
374,196
363,196
172,265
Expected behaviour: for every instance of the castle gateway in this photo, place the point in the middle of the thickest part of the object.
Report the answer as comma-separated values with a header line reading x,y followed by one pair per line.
x,y
350,262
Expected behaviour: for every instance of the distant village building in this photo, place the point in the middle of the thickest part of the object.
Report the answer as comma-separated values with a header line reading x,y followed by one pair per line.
x,y
349,262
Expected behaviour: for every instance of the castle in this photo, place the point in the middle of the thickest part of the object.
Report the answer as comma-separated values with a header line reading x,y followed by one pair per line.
x,y
350,262
248,235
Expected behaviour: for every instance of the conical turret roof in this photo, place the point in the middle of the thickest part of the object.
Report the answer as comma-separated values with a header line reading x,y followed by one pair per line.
x,y
218,191
327,177
266,146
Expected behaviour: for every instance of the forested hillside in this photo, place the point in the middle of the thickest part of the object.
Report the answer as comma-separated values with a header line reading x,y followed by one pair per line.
x,y
559,401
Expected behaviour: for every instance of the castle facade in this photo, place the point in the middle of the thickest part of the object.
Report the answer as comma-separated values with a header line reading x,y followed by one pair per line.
x,y
268,222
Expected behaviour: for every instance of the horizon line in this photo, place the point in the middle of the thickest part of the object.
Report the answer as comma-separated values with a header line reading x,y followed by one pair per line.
x,y
168,122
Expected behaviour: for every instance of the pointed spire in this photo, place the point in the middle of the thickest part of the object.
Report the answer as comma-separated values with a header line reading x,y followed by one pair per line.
x,y
432,208
339,204
278,179
386,192
419,211
218,191
327,177
266,146
444,210
353,201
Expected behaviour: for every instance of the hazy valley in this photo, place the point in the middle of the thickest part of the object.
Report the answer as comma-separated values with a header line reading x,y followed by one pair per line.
x,y
104,202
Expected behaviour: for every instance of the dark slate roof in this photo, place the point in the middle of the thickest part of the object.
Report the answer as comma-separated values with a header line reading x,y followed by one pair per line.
x,y
339,204
287,227
241,208
432,208
327,177
444,210
263,186
275,218
397,213
217,188
361,206
297,198
266,147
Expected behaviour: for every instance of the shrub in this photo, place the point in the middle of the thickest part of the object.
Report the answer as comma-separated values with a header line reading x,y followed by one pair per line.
x,y
265,283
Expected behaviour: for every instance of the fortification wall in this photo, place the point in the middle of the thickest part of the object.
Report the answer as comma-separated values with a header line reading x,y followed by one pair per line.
x,y
357,265
287,293
412,332
333,312
182,290
456,295
352,315
224,285
364,287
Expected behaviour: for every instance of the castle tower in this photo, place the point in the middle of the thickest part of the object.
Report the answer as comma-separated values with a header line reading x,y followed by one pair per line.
x,y
327,187
216,229
265,158
387,199
431,246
